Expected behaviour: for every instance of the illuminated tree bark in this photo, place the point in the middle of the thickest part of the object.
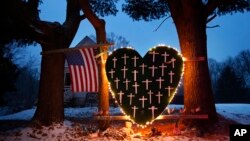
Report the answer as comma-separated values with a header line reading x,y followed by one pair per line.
x,y
191,28
99,26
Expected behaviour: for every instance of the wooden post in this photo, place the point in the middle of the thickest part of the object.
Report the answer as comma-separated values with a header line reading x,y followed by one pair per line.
x,y
74,49
103,106
99,25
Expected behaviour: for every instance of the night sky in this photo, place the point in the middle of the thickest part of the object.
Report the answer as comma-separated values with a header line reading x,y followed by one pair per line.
x,y
227,40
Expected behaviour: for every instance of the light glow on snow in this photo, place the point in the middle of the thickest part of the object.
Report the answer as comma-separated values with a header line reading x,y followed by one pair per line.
x,y
69,130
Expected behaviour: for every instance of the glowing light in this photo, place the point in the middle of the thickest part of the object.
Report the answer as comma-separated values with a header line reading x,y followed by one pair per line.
x,y
184,59
173,93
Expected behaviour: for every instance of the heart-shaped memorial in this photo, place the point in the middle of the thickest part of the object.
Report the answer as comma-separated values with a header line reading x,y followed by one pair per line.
x,y
144,87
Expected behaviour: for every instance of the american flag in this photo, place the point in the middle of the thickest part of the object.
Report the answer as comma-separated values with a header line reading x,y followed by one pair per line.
x,y
83,70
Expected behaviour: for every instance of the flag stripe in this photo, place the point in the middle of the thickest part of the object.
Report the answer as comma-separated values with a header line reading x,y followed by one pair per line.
x,y
95,70
73,78
84,72
86,68
89,69
92,71
82,80
79,78
76,78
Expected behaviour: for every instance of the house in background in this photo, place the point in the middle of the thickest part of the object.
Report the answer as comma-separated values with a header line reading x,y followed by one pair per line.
x,y
78,99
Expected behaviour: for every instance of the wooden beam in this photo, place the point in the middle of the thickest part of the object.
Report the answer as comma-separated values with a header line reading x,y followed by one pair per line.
x,y
161,117
111,118
73,49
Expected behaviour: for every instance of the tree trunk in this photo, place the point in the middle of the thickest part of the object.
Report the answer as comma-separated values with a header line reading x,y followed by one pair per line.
x,y
104,91
50,107
191,28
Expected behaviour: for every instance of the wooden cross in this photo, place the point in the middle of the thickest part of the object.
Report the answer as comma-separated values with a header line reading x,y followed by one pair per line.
x,y
117,82
130,98
165,55
112,73
124,71
146,81
153,53
159,97
135,58
143,67
169,90
160,81
136,85
135,72
143,99
150,96
134,110
126,82
171,76
153,70
114,62
173,60
120,96
162,66
153,108
125,58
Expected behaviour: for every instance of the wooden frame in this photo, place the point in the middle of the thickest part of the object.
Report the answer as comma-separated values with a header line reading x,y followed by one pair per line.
x,y
73,49
161,117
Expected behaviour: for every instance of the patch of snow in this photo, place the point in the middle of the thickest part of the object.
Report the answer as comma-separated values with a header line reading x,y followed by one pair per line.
x,y
69,130
236,112
23,115
85,112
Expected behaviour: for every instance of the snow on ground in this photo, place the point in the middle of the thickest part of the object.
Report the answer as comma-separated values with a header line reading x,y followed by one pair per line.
x,y
70,130
23,115
236,112
85,112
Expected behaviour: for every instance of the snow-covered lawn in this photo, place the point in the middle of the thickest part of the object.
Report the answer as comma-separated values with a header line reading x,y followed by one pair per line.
x,y
236,112
70,130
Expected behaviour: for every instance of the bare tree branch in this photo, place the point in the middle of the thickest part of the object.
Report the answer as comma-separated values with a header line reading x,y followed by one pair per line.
x,y
33,6
162,23
72,21
82,17
98,24
211,6
213,26
211,18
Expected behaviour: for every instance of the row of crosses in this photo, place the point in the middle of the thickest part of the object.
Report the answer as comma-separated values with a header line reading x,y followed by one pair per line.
x,y
135,72
143,66
160,80
135,58
152,108
144,98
